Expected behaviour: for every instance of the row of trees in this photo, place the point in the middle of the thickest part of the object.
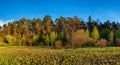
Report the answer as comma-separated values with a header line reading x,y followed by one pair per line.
x,y
63,31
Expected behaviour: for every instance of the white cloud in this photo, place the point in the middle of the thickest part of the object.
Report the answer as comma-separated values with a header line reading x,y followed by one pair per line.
x,y
5,22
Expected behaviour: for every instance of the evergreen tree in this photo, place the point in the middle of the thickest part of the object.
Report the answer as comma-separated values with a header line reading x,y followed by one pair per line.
x,y
105,34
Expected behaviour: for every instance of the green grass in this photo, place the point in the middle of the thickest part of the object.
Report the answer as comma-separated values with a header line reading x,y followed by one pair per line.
x,y
26,55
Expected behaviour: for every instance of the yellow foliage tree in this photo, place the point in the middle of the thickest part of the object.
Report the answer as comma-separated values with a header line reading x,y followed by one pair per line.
x,y
87,34
95,33
53,36
35,39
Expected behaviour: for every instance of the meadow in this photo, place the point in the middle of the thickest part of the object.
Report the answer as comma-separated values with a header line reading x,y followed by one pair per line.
x,y
26,55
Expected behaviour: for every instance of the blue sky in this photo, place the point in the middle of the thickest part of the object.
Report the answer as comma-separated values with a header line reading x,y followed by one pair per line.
x,y
99,9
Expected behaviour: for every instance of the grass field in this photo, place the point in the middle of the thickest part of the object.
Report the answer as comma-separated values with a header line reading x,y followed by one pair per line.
x,y
10,55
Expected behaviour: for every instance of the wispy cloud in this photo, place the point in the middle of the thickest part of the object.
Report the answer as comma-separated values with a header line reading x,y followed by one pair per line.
x,y
2,22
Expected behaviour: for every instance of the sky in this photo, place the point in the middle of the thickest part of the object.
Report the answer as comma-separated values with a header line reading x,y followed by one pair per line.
x,y
103,10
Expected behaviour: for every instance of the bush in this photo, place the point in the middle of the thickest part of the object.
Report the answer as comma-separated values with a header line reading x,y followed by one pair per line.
x,y
30,41
69,45
2,44
9,39
97,43
1,39
19,42
90,42
118,42
79,38
58,44
103,42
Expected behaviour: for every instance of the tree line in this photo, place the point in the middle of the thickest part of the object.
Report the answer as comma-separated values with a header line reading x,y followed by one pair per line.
x,y
70,32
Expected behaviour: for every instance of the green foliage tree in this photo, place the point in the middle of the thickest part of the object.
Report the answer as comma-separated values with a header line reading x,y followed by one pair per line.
x,y
47,40
117,34
87,33
117,37
89,40
61,36
105,34
35,39
60,24
90,23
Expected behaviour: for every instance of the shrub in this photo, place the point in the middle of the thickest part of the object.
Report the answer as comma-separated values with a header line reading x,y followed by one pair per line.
x,y
79,38
58,44
103,42
105,34
69,45
30,41
9,39
118,42
1,41
97,43
19,42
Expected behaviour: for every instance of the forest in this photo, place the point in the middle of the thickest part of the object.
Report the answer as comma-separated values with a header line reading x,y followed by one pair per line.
x,y
64,31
